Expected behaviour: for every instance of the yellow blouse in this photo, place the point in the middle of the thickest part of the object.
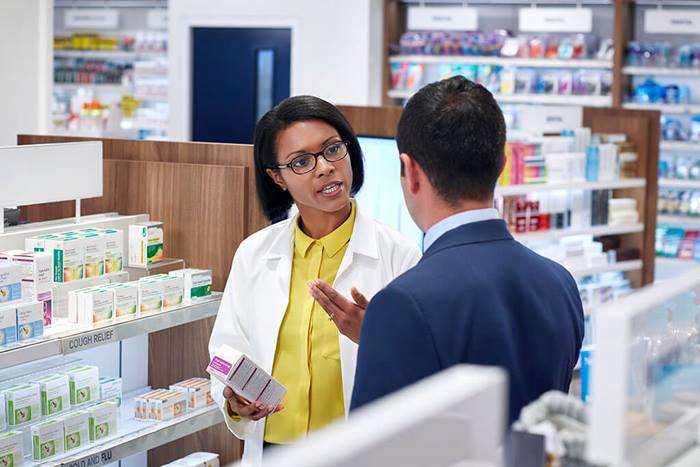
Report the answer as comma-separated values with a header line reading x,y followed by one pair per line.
x,y
307,359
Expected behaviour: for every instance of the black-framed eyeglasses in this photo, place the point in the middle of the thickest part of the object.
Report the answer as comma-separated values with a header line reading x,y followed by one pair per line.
x,y
305,163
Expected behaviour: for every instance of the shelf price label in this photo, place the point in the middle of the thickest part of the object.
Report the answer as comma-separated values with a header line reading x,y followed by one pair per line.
x,y
555,20
550,118
88,340
93,18
672,21
442,19
157,19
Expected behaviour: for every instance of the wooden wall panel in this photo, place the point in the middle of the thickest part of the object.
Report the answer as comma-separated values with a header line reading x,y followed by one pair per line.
x,y
373,121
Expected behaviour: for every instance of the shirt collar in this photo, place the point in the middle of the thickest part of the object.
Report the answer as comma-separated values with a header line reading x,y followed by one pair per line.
x,y
456,220
332,243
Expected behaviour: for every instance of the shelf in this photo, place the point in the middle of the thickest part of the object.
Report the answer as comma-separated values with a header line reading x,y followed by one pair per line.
x,y
660,71
620,266
66,338
596,231
114,54
681,184
666,108
679,146
513,190
98,87
591,101
678,221
135,436
502,61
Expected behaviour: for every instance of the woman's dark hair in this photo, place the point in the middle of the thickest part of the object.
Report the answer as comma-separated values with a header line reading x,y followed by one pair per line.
x,y
275,201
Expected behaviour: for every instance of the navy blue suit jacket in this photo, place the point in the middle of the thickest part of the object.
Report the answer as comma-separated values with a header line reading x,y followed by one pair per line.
x,y
477,296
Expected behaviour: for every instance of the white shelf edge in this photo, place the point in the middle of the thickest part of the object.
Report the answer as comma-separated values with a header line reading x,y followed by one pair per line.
x,y
503,61
673,183
151,436
556,99
101,87
512,190
675,261
620,266
679,146
596,231
666,108
116,54
82,339
677,220
660,71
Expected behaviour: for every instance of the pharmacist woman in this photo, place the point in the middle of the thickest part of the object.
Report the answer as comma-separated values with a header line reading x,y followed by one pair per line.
x,y
306,154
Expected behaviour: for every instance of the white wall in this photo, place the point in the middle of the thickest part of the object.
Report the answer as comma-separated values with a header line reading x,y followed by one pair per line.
x,y
26,42
336,47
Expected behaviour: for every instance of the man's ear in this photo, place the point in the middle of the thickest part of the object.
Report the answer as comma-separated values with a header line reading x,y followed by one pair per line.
x,y
412,172
277,178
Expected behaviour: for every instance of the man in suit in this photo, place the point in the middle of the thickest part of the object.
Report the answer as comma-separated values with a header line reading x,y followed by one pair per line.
x,y
477,296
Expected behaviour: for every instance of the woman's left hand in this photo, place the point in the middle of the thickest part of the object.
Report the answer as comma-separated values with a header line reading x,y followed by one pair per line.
x,y
347,315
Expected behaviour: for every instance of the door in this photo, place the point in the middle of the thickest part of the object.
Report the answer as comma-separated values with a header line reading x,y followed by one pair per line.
x,y
237,75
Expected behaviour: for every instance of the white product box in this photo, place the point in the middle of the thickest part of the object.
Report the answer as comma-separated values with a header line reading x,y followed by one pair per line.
x,y
103,420
75,298
197,283
11,448
37,276
173,289
114,250
126,300
141,408
3,413
8,325
39,243
247,379
30,320
167,405
84,384
55,394
68,258
97,307
199,459
94,264
197,390
10,282
47,439
145,243
111,389
7,255
23,404
150,296
76,430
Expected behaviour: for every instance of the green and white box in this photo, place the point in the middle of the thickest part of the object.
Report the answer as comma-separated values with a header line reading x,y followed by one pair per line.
x,y
103,420
145,243
97,306
173,289
23,404
11,448
126,300
94,254
55,394
150,297
111,389
76,430
38,243
3,412
114,250
197,283
68,258
47,439
84,384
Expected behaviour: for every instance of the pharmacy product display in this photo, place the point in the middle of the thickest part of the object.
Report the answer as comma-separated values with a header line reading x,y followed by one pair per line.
x,y
175,402
145,243
141,41
676,129
663,54
651,92
677,242
676,202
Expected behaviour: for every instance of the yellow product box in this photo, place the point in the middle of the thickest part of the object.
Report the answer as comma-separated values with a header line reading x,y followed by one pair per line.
x,y
114,250
167,405
68,258
150,296
141,404
145,243
197,390
94,254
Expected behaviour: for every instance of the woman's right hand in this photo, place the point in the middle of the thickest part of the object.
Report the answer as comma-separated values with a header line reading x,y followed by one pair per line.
x,y
250,410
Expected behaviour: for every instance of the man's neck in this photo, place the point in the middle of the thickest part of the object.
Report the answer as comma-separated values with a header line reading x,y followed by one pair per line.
x,y
442,210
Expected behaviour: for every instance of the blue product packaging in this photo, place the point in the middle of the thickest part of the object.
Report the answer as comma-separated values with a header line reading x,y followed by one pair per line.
x,y
592,163
8,325
30,320
10,282
586,361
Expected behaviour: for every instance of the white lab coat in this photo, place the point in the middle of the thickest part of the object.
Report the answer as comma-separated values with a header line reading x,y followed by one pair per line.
x,y
257,293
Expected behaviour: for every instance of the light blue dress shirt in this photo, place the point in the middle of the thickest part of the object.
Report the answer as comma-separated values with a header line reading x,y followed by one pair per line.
x,y
457,220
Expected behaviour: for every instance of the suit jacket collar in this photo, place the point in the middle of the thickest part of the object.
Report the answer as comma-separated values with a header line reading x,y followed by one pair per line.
x,y
476,232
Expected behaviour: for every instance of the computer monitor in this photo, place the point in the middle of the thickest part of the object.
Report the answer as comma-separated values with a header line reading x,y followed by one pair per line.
x,y
646,375
454,418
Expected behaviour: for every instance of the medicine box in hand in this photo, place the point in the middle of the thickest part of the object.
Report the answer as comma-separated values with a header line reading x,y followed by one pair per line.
x,y
247,379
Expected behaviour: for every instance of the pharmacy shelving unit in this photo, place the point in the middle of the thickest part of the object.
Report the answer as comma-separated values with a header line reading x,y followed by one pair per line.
x,y
641,128
544,99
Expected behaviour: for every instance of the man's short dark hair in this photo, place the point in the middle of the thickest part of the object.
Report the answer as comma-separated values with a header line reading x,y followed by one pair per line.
x,y
274,200
456,133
